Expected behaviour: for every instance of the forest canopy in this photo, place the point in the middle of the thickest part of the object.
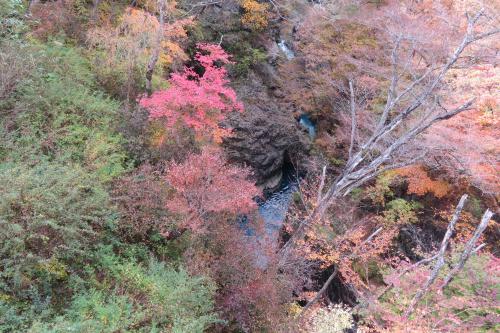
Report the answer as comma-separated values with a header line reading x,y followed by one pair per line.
x,y
250,166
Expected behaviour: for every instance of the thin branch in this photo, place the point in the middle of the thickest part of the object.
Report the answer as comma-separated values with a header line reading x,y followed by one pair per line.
x,y
368,160
321,185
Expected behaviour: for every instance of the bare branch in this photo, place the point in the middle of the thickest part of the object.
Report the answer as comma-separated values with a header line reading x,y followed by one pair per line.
x,y
469,248
440,258
156,52
321,186
381,152
353,118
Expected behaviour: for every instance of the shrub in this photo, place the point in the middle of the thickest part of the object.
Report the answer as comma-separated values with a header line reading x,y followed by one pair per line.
x,y
334,319
142,198
48,216
53,17
121,53
57,150
256,14
145,300
206,185
420,183
15,66
59,115
11,18
249,58
468,304
400,211
131,297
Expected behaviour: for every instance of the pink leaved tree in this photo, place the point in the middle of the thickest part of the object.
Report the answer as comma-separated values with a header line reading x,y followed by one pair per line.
x,y
206,187
197,101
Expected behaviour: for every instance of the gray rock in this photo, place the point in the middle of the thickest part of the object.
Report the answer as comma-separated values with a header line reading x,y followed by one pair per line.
x,y
265,135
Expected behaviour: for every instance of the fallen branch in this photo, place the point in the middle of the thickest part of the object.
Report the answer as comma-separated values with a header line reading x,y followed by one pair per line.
x,y
335,271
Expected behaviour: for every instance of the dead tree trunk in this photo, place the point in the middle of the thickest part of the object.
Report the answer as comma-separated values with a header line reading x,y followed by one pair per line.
x,y
469,248
156,51
440,258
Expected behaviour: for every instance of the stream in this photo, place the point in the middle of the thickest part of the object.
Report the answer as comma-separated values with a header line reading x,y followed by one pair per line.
x,y
274,207
289,54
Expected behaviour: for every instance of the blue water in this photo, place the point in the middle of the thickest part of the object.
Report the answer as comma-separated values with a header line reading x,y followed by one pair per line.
x,y
289,54
306,123
274,207
272,210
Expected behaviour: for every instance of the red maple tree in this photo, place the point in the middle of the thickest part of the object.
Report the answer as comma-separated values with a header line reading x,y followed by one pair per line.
x,y
197,101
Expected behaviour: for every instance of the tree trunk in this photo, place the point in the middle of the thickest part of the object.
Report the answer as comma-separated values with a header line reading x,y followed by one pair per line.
x,y
156,52
440,258
469,248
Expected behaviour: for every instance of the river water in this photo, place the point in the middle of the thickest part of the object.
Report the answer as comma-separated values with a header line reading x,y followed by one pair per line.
x,y
274,207
289,54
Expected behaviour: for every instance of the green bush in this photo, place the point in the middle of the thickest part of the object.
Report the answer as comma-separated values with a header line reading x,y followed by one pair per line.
x,y
244,55
58,148
59,115
133,298
63,265
401,211
49,214
11,18
250,58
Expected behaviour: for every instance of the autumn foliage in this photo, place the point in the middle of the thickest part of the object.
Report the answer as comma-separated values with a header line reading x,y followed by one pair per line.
x,y
206,184
124,50
465,306
197,101
420,183
256,14
122,209
141,198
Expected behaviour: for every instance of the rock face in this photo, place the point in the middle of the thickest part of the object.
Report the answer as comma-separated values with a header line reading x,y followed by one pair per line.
x,y
263,142
266,134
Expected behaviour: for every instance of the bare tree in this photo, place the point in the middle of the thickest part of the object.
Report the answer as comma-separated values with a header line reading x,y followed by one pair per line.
x,y
412,106
440,257
157,48
469,248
